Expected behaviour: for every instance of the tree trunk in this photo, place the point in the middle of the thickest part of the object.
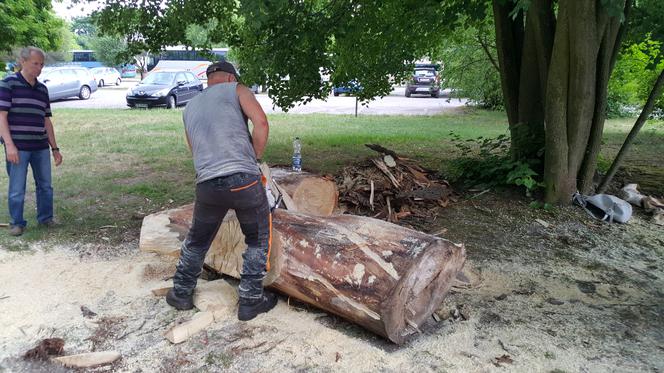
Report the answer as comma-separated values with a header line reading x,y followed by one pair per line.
x,y
574,92
509,45
607,58
555,94
384,277
556,177
528,133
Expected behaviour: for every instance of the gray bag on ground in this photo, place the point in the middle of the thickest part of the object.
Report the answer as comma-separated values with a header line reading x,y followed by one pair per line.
x,y
605,207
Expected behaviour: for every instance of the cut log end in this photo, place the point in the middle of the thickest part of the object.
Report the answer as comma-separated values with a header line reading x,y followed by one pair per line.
x,y
421,290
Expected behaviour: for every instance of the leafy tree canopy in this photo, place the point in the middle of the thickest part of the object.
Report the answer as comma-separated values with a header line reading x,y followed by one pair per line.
x,y
109,50
29,22
647,18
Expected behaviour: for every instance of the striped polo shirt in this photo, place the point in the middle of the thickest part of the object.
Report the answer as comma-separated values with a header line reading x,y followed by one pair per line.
x,y
27,106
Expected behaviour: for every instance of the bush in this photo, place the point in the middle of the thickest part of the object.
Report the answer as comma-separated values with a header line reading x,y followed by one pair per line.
x,y
493,166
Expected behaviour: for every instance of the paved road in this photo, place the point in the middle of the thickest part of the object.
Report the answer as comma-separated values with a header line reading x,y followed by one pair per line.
x,y
396,103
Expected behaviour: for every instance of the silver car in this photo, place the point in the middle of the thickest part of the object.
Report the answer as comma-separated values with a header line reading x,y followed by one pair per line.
x,y
68,81
106,76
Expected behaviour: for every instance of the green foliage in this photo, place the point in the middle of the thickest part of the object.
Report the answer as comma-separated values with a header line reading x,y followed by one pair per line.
x,y
198,36
646,17
84,30
83,26
29,22
492,166
470,62
633,77
109,50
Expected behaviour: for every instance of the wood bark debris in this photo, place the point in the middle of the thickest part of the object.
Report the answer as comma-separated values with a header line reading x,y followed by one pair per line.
x,y
182,332
392,188
46,347
88,360
218,297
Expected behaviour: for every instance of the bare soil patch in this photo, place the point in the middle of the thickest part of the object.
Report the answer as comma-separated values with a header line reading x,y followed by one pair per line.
x,y
574,295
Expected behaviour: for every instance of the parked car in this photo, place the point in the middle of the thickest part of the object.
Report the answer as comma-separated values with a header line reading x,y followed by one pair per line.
x,y
425,80
68,81
164,88
350,88
106,76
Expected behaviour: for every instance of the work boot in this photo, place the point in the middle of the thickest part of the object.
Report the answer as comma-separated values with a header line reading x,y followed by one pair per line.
x,y
16,230
250,308
182,303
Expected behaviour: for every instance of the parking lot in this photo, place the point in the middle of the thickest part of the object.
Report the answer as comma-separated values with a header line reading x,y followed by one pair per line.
x,y
113,97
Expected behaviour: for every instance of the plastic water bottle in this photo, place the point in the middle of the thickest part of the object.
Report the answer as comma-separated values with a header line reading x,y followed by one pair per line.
x,y
297,155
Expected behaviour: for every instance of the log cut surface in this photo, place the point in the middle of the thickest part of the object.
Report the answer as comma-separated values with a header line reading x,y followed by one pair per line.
x,y
311,193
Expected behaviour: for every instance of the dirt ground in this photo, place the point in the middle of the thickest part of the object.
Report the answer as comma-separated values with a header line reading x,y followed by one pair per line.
x,y
566,294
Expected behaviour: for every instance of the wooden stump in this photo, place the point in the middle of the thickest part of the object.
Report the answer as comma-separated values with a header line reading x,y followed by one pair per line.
x,y
312,194
384,277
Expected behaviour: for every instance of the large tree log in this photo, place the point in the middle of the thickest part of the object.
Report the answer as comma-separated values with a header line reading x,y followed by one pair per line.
x,y
384,277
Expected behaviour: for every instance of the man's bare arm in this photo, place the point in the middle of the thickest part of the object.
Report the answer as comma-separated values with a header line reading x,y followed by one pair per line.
x,y
253,110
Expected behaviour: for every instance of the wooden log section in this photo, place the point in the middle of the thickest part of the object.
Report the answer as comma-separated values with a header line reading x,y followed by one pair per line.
x,y
312,194
384,277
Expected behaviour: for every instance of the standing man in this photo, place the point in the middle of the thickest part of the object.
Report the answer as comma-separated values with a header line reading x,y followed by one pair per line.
x,y
27,133
227,177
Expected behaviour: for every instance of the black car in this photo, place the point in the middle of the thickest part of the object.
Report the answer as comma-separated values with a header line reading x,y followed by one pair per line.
x,y
425,80
164,88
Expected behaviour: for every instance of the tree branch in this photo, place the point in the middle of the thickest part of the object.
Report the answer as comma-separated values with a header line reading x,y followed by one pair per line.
x,y
488,53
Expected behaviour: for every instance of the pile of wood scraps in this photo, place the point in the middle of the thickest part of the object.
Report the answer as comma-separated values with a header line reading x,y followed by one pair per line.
x,y
392,188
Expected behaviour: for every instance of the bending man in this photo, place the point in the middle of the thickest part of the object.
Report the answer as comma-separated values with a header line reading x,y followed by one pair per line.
x,y
227,177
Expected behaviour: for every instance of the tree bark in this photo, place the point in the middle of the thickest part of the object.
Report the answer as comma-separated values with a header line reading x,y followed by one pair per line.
x,y
509,44
528,134
643,117
608,55
575,92
554,76
384,277
556,178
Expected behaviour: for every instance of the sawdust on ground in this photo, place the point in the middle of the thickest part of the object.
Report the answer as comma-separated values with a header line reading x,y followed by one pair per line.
x,y
577,295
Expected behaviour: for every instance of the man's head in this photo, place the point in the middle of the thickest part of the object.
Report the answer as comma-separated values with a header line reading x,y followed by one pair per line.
x,y
221,72
32,62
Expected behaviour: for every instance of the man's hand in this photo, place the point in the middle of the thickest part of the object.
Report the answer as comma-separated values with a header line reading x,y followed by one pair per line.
x,y
12,153
57,157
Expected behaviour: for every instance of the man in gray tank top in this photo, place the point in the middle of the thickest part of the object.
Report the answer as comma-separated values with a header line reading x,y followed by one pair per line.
x,y
227,177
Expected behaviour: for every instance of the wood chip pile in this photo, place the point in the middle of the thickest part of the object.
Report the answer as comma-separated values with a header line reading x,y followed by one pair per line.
x,y
392,188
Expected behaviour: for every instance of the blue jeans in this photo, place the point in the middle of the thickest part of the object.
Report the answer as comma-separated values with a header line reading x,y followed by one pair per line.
x,y
246,195
40,162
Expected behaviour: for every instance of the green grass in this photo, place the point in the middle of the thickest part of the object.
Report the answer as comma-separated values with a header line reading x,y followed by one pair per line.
x,y
120,165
